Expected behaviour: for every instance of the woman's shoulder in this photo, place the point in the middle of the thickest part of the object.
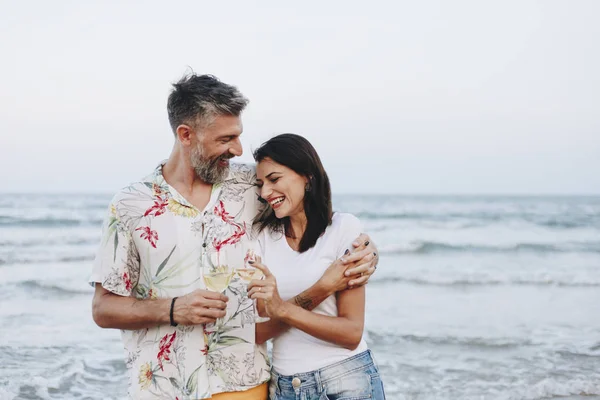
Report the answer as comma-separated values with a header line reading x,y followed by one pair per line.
x,y
343,220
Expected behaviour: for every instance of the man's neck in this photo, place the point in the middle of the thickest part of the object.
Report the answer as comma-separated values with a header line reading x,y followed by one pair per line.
x,y
179,173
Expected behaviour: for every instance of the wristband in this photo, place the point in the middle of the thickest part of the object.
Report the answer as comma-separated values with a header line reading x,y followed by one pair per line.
x,y
173,323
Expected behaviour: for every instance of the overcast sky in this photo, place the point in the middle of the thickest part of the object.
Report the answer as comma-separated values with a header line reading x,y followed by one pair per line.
x,y
397,96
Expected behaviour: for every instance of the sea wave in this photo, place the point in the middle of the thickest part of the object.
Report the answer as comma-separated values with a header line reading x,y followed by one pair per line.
x,y
473,342
44,258
63,374
50,289
47,241
590,353
461,282
47,222
428,247
555,388
474,219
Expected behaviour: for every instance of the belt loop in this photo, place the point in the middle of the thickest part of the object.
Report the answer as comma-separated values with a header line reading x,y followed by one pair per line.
x,y
320,386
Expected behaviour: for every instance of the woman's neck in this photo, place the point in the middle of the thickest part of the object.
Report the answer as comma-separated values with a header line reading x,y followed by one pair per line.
x,y
296,226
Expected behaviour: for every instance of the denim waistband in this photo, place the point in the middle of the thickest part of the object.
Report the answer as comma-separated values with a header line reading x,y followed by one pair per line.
x,y
319,377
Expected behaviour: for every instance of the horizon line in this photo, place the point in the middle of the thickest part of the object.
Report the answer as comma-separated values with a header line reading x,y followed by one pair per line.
x,y
345,193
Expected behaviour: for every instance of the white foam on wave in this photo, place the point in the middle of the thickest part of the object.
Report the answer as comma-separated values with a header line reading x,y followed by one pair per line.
x,y
68,378
37,384
483,281
430,247
549,388
8,392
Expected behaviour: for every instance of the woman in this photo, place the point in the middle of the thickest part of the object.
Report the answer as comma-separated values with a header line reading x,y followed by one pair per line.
x,y
322,354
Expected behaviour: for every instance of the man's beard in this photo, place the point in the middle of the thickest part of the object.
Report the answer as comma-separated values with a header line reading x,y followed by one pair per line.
x,y
208,169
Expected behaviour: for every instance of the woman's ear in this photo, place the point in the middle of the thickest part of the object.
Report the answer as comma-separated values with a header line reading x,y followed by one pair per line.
x,y
308,184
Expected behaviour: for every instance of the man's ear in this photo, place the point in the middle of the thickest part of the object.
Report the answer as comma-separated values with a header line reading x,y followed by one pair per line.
x,y
184,134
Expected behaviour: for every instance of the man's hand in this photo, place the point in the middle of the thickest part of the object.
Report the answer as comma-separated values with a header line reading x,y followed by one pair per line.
x,y
362,262
353,269
199,307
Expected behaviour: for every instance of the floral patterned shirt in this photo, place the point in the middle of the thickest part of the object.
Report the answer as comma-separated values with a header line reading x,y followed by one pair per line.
x,y
153,245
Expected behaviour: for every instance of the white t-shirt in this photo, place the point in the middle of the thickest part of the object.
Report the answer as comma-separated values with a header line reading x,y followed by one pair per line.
x,y
295,351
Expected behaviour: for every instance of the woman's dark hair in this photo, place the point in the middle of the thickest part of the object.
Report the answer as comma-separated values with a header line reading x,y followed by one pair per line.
x,y
296,153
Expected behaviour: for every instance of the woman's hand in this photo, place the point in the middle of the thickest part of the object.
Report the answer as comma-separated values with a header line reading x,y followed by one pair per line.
x,y
265,291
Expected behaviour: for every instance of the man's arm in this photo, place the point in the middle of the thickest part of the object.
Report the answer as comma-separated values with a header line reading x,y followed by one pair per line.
x,y
345,329
352,270
110,310
308,300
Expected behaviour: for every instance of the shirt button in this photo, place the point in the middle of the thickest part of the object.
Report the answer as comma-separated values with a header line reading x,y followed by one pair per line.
x,y
296,382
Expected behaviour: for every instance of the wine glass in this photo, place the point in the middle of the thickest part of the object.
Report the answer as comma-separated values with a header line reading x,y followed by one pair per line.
x,y
248,273
217,273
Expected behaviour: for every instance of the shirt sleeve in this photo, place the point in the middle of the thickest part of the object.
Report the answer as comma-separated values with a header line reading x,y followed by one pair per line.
x,y
117,263
349,229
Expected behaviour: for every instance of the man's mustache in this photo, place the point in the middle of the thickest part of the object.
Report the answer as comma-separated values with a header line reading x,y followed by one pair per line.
x,y
226,156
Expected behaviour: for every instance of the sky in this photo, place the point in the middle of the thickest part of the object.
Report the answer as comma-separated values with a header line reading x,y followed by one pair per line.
x,y
409,97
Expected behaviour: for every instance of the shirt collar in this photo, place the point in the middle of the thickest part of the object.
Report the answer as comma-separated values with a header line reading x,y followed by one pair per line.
x,y
160,186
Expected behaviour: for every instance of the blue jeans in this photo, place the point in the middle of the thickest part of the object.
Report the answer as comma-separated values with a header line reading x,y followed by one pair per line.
x,y
354,378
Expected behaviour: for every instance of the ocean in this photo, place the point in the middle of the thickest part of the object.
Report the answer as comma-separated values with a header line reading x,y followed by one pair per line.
x,y
475,297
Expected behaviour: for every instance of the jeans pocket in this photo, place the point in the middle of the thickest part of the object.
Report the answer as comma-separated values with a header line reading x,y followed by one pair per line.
x,y
352,386
377,392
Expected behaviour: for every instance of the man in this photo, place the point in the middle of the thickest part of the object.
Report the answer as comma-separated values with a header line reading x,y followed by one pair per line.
x,y
160,231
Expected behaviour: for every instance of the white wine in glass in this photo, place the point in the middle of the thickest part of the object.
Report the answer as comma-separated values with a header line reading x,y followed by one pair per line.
x,y
217,273
217,281
247,274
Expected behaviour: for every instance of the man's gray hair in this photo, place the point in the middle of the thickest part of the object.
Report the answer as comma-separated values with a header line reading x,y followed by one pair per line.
x,y
199,99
